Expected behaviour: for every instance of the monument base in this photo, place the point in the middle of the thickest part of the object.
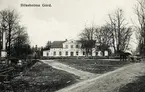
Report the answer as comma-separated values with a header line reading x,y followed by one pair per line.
x,y
3,54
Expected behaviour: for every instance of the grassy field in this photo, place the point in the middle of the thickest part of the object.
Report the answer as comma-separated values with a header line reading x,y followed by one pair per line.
x,y
42,78
136,86
94,65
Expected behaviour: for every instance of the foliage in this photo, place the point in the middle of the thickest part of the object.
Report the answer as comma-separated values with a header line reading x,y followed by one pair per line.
x,y
104,38
120,31
87,40
88,45
104,35
9,21
20,47
17,42
48,45
114,34
140,13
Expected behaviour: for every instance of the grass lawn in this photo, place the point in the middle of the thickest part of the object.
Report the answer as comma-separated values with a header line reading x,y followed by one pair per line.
x,y
42,78
136,86
93,65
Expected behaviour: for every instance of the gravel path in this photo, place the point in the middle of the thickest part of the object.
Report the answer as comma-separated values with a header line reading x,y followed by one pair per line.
x,y
109,82
82,74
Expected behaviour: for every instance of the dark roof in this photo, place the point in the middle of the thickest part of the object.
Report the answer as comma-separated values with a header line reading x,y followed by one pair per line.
x,y
57,44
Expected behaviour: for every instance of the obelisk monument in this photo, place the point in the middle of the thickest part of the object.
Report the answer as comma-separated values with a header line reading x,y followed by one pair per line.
x,y
3,51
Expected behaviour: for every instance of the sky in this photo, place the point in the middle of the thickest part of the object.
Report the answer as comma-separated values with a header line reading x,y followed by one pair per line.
x,y
66,18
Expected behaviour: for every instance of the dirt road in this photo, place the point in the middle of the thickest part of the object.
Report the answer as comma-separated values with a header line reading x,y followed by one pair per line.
x,y
109,82
82,74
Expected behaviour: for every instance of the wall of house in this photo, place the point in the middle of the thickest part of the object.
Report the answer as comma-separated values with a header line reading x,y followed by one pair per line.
x,y
73,48
64,52
45,53
70,48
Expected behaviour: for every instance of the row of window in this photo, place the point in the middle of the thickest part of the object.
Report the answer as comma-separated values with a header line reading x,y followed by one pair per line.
x,y
72,46
66,53
71,53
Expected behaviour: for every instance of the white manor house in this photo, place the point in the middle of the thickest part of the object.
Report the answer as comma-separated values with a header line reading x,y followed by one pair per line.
x,y
69,48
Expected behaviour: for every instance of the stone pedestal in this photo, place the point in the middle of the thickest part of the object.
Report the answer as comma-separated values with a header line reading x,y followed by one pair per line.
x,y
106,53
3,51
3,54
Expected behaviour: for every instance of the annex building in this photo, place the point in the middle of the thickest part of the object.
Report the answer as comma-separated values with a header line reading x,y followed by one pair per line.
x,y
69,48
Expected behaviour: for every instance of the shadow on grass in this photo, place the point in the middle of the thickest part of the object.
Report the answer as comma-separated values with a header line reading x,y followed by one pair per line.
x,y
136,86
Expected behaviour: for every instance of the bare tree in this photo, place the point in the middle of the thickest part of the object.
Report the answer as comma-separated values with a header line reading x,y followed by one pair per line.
x,y
121,33
9,20
104,37
140,12
48,45
87,39
17,41
20,45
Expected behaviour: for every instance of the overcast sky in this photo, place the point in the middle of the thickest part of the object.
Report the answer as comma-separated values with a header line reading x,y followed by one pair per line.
x,y
66,18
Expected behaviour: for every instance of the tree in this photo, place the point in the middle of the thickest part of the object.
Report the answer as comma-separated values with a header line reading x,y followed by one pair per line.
x,y
104,37
9,21
17,42
140,12
48,45
120,31
0,37
87,40
20,47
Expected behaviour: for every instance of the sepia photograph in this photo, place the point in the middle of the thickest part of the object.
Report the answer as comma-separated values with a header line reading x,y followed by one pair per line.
x,y
72,45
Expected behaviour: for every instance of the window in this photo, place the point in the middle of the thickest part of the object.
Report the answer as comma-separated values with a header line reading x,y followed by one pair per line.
x,y
66,46
47,53
66,53
77,53
60,53
77,46
96,53
71,46
83,53
54,53
72,53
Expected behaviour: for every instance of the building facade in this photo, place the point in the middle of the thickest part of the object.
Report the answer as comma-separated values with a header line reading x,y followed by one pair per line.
x,y
68,48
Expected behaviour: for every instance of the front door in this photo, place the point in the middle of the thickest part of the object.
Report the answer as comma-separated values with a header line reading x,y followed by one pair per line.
x,y
71,53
